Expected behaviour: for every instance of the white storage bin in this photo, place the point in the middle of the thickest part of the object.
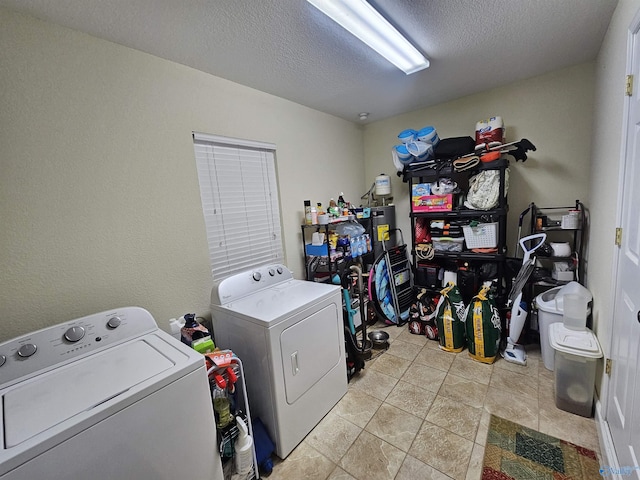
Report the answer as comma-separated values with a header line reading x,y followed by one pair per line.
x,y
550,305
484,235
576,354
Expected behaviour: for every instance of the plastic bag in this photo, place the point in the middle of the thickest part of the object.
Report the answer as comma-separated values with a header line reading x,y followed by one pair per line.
x,y
350,228
450,319
483,327
484,189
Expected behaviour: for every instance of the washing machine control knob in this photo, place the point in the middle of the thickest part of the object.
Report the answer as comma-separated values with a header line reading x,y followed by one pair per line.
x,y
74,334
27,350
257,276
2,360
280,270
114,322
272,272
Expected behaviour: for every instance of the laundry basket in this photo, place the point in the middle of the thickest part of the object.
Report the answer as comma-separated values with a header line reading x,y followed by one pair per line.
x,y
483,235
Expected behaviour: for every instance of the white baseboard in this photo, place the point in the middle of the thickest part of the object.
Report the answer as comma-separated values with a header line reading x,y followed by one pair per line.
x,y
608,457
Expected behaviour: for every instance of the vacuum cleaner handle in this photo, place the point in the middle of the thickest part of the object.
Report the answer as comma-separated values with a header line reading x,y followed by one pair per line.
x,y
523,214
520,220
358,271
528,252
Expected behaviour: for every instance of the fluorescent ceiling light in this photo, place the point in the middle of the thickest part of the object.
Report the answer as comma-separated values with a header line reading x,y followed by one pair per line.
x,y
363,21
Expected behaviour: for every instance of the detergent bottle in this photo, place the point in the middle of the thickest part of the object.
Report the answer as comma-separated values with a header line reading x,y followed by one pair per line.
x,y
243,449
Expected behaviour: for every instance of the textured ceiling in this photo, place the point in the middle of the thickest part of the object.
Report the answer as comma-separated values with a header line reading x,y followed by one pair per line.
x,y
289,49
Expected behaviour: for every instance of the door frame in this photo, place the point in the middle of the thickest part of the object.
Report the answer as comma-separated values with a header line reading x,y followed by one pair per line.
x,y
602,424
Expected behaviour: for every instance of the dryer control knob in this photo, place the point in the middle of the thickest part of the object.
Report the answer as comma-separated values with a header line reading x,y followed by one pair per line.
x,y
280,270
27,350
74,334
3,359
272,272
114,322
257,276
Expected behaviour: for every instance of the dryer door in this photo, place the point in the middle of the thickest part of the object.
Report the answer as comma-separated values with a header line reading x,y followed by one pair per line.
x,y
310,349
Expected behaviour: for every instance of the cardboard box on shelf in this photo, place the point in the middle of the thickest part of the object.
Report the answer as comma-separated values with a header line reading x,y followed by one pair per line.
x,y
432,203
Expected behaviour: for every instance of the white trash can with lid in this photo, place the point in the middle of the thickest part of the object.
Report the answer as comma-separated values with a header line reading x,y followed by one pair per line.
x,y
576,354
550,305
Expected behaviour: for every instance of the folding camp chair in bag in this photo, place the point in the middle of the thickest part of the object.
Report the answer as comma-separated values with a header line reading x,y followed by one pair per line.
x,y
391,283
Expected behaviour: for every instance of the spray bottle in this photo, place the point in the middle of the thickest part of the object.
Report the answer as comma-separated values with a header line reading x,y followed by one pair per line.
x,y
243,449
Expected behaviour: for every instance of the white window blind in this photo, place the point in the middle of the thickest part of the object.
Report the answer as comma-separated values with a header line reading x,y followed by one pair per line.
x,y
240,203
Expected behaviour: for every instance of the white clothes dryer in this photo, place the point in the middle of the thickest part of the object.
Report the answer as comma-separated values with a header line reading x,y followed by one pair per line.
x,y
107,396
290,336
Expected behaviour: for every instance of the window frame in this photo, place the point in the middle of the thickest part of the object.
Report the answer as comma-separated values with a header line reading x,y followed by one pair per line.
x,y
240,201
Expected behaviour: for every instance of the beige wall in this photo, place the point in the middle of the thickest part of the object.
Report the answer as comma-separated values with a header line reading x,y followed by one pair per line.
x,y
553,111
99,197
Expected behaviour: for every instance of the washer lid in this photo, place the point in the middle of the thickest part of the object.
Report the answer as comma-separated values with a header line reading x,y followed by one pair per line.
x,y
49,399
582,343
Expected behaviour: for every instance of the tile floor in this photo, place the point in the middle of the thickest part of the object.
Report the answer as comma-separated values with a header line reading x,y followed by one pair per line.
x,y
416,412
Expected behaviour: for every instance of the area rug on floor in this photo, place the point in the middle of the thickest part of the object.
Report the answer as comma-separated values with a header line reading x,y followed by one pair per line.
x,y
514,452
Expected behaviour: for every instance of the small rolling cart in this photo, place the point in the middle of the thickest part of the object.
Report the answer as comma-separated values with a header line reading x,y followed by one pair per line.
x,y
228,390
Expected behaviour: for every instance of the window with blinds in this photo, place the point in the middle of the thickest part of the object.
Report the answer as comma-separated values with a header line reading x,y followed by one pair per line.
x,y
240,203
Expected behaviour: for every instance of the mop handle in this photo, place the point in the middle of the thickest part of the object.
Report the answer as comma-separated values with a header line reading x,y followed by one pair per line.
x,y
520,220
527,253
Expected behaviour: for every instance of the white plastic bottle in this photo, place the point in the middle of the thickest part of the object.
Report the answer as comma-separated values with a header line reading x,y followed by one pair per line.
x,y
243,450
362,247
176,325
353,245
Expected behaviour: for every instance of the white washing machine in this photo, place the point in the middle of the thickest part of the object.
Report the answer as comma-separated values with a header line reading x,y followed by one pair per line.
x,y
290,336
107,396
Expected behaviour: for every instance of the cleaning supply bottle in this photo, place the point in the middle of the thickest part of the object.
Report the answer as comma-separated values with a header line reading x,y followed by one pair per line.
x,y
343,206
333,209
176,326
307,212
243,449
221,407
192,330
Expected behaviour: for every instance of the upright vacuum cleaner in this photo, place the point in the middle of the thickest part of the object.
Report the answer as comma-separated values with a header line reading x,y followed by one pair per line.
x,y
513,352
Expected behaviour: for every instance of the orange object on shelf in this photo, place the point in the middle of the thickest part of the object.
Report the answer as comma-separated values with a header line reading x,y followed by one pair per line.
x,y
489,157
